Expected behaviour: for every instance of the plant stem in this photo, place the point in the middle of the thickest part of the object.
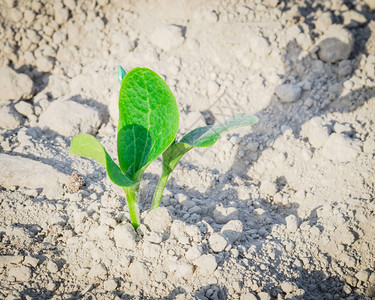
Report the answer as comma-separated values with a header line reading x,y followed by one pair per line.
x,y
159,189
132,195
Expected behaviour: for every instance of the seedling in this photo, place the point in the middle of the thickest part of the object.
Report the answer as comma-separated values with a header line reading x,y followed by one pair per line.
x,y
147,128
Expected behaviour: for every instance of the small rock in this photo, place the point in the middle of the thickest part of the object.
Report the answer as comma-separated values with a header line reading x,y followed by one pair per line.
x,y
369,146
98,271
223,214
264,296
336,44
218,242
206,264
288,93
370,3
363,275
315,132
288,287
269,188
52,267
9,118
45,63
232,230
61,16
344,68
24,108
16,15
353,19
212,88
181,269
138,271
324,22
167,37
193,253
291,223
110,285
10,3
158,219
68,118
20,274
14,86
30,261
125,236
340,149
248,296
6,260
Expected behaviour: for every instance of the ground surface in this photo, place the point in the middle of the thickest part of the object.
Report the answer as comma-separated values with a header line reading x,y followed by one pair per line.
x,y
284,210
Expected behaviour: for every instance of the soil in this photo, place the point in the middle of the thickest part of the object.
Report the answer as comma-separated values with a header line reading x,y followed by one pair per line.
x,y
282,210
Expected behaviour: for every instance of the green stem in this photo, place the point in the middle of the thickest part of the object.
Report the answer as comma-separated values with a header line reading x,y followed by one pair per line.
x,y
159,189
132,195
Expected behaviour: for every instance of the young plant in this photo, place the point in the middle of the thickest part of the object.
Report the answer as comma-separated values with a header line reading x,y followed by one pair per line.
x,y
148,124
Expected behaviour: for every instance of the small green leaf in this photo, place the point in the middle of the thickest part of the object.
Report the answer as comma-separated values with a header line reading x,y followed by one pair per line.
x,y
88,146
148,120
120,73
203,137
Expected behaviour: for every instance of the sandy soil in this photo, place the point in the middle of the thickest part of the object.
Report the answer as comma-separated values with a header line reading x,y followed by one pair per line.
x,y
283,210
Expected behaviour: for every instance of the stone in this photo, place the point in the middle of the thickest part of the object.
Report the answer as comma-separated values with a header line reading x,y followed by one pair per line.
x,y
363,275
248,296
370,4
291,223
7,260
353,19
24,108
269,188
223,214
25,172
259,45
9,118
315,132
110,285
340,149
264,296
181,269
10,3
344,68
167,37
288,93
52,267
125,236
288,287
61,15
206,264
158,219
98,271
30,261
68,118
324,22
45,63
16,15
369,146
212,88
336,44
218,242
14,86
193,253
232,230
21,273
138,271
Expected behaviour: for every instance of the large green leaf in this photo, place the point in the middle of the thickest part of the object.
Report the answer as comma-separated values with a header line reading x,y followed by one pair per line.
x,y
148,120
88,146
203,137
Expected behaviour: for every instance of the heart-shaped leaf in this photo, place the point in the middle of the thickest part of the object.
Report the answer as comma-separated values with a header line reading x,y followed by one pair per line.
x,y
88,146
148,120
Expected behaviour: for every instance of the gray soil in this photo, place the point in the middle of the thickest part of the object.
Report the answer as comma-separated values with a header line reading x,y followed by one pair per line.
x,y
282,210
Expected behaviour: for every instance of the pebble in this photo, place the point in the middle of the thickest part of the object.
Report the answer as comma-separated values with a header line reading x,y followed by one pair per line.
x,y
14,86
181,269
315,132
218,242
344,68
24,108
193,253
67,117
288,93
6,260
232,230
52,267
206,264
370,3
223,214
158,219
61,16
369,145
16,15
340,149
9,118
363,275
324,22
269,188
125,236
248,296
212,88
45,63
167,37
336,44
353,19
21,273
138,271
110,285
264,296
291,223
288,287
30,261
98,271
